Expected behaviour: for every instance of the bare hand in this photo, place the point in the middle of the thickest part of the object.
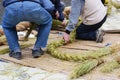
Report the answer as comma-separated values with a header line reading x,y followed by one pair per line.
x,y
57,15
64,23
66,37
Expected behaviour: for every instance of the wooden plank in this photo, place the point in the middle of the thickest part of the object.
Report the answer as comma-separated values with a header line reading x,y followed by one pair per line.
x,y
49,63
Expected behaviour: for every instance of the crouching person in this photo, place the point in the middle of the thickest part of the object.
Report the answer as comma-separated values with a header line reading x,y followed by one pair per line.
x,y
26,10
93,15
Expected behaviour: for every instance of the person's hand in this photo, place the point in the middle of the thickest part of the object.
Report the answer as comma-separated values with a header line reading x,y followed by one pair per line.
x,y
57,15
1,32
64,23
66,37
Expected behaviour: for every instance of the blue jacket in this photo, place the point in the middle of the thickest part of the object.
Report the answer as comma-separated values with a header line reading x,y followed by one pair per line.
x,y
41,2
54,5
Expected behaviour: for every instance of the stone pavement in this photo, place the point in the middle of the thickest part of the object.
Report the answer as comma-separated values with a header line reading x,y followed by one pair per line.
x,y
11,71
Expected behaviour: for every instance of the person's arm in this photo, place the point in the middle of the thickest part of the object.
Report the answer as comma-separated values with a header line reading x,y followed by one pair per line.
x,y
3,3
76,8
48,5
58,10
58,7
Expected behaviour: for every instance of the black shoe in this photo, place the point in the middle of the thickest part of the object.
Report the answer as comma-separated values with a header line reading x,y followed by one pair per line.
x,y
37,53
99,36
16,55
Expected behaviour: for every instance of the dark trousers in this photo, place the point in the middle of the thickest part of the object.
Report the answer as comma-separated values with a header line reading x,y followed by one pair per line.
x,y
88,32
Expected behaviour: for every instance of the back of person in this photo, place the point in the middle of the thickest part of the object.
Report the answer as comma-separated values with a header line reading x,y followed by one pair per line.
x,y
93,12
43,3
8,2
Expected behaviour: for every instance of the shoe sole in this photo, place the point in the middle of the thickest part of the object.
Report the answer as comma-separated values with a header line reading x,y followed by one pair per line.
x,y
16,58
36,56
100,37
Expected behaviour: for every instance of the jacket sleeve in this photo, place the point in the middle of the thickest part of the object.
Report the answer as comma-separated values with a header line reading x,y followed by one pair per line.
x,y
58,7
4,2
47,4
76,8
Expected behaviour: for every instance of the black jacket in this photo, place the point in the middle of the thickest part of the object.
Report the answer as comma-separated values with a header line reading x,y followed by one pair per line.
x,y
58,7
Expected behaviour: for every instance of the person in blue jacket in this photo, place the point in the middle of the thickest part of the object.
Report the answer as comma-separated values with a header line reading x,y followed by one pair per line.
x,y
35,11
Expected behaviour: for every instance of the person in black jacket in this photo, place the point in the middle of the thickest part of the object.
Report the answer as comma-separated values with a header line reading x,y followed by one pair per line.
x,y
58,12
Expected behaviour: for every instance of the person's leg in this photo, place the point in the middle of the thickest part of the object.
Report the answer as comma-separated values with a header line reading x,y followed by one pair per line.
x,y
9,22
9,25
41,17
42,36
86,32
43,33
89,32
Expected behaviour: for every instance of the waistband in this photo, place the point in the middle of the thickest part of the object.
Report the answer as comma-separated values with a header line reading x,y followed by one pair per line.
x,y
22,1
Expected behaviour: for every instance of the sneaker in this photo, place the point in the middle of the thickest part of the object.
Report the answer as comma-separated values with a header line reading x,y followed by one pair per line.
x,y
16,55
37,53
99,36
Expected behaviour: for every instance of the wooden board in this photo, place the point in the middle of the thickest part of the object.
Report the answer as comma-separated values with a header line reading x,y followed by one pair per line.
x,y
49,63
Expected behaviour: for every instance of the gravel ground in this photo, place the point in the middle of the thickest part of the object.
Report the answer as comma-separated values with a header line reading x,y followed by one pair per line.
x,y
16,72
